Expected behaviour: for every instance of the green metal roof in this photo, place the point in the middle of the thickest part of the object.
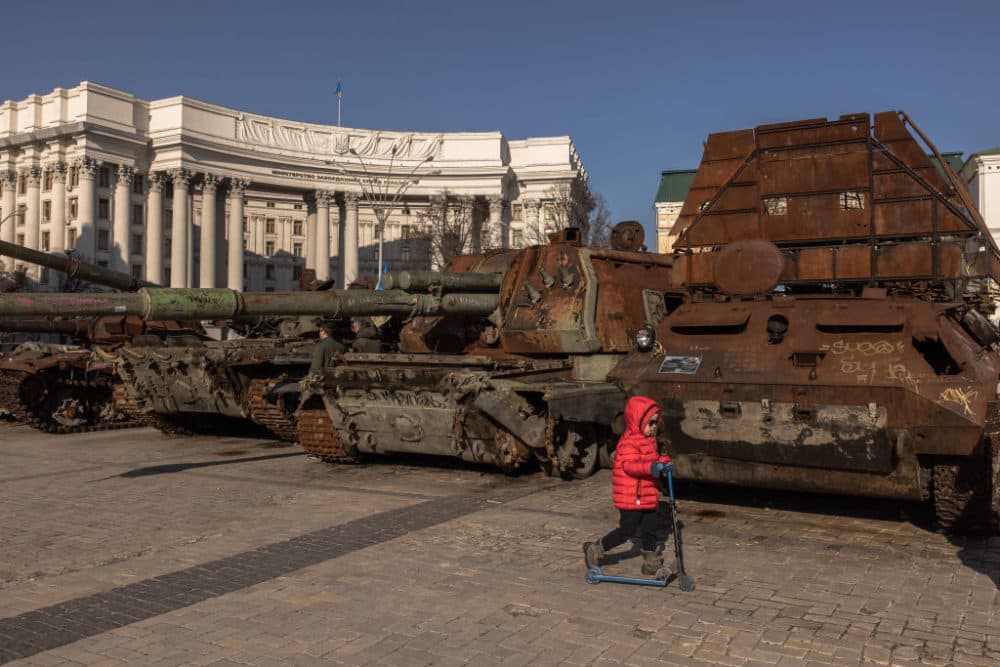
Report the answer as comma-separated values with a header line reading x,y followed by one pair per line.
x,y
674,184
954,160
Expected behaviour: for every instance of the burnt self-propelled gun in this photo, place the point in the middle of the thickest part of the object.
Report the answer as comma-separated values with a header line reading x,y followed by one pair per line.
x,y
66,388
835,335
503,359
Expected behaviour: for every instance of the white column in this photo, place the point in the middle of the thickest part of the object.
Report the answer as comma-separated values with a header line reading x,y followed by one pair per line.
x,y
350,240
336,220
57,225
154,228
122,232
206,270
534,235
310,250
234,275
9,205
322,235
33,175
179,229
258,235
86,208
499,238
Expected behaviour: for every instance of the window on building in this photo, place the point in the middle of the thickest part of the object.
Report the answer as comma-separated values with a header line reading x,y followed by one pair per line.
x,y
297,228
517,238
516,212
20,239
138,184
22,211
74,208
404,231
71,239
404,253
246,225
547,213
45,241
22,185
298,207
269,248
297,249
103,209
166,275
269,226
137,214
104,177
137,240
46,211
270,204
269,272
245,243
47,181
296,272
103,239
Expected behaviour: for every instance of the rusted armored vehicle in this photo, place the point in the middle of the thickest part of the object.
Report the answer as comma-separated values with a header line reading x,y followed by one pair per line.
x,y
65,388
835,333
503,359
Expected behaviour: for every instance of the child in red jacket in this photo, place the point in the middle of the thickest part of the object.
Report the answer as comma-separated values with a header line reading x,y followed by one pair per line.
x,y
638,464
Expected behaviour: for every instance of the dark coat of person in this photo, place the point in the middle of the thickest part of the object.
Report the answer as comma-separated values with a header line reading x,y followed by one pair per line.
x,y
366,339
325,350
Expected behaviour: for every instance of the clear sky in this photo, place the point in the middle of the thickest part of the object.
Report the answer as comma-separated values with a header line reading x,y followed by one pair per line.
x,y
637,85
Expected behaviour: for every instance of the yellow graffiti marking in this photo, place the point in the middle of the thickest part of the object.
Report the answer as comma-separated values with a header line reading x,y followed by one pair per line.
x,y
961,397
901,373
866,348
863,372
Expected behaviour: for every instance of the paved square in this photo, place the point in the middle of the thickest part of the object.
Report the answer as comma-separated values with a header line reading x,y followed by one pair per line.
x,y
133,547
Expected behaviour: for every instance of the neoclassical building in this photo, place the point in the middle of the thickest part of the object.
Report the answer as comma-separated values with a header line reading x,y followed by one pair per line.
x,y
187,193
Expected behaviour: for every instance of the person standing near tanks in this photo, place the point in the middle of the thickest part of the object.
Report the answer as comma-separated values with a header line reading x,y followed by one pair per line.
x,y
366,337
638,465
325,349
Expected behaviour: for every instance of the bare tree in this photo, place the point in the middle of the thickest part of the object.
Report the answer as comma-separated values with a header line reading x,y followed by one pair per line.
x,y
572,206
446,227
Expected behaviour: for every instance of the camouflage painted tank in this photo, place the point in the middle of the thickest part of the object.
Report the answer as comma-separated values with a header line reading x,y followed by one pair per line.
x,y
503,358
65,388
834,335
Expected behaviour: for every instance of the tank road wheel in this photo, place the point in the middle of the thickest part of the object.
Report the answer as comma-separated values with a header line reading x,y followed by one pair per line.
x,y
967,490
577,449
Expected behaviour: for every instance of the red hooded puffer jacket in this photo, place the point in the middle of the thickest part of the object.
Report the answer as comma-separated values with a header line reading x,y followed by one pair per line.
x,y
633,486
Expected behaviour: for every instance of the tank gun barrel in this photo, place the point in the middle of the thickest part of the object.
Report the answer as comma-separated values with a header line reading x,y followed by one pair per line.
x,y
160,304
463,281
74,268
76,328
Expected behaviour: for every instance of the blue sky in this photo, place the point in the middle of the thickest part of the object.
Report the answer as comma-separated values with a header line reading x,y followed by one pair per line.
x,y
638,85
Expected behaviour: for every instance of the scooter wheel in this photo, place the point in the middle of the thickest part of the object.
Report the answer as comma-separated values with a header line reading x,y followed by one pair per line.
x,y
685,583
593,577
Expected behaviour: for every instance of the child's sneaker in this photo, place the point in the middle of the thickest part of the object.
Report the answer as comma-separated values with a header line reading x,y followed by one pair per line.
x,y
593,552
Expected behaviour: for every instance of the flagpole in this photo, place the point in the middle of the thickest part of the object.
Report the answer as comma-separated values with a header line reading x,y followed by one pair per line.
x,y
338,110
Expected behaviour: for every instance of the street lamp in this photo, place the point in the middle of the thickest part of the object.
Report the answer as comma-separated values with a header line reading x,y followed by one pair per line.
x,y
378,192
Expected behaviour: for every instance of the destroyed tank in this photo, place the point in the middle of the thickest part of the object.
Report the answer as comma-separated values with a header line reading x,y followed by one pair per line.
x,y
502,360
834,335
65,388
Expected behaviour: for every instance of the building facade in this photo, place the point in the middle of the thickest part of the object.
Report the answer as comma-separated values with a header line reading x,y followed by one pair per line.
x,y
191,194
981,175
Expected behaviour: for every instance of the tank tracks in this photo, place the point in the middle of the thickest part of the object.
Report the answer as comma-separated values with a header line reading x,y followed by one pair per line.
x,y
318,435
967,488
271,416
14,386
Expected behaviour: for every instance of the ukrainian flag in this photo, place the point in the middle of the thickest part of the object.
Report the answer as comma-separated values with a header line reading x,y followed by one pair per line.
x,y
340,90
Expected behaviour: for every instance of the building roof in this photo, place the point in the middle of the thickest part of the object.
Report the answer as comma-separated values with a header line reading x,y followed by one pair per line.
x,y
954,160
674,184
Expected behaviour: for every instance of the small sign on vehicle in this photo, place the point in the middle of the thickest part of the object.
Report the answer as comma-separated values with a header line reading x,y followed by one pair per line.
x,y
685,365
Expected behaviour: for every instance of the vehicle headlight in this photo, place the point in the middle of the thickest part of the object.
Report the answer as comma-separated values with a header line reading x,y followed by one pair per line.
x,y
645,338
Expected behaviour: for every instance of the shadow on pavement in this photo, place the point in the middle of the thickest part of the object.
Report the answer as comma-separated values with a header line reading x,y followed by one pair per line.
x,y
181,467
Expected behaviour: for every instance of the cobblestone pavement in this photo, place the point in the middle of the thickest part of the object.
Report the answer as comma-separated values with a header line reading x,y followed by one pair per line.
x,y
132,547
